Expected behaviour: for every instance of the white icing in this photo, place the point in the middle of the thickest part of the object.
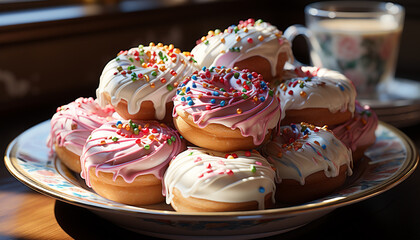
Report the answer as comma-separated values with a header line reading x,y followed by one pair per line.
x,y
216,51
327,89
328,155
204,174
121,86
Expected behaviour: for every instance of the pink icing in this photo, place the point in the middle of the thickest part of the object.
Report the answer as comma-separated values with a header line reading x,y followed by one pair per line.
x,y
235,99
130,149
72,124
360,130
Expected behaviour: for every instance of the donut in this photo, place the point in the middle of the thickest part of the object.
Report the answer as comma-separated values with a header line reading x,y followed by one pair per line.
x,y
140,82
72,124
310,162
316,95
125,160
358,133
224,109
201,180
254,45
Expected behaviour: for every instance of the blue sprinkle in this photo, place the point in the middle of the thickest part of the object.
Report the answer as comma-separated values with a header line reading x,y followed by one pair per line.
x,y
190,103
119,122
341,87
213,101
194,77
261,190
222,103
177,92
262,99
189,98
249,76
215,93
204,68
324,146
263,84
293,126
187,89
306,131
183,99
194,85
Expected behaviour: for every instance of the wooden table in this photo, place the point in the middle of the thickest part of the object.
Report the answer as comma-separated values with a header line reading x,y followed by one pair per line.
x,y
26,214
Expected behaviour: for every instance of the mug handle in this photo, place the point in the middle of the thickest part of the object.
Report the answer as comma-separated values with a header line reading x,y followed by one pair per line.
x,y
295,30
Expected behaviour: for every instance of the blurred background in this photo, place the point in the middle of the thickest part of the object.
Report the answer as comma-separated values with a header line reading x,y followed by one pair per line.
x,y
52,52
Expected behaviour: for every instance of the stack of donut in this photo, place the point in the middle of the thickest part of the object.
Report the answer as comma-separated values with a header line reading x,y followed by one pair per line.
x,y
221,128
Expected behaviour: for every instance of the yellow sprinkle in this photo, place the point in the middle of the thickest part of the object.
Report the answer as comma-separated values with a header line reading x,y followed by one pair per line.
x,y
230,157
211,33
302,93
144,65
239,111
146,125
200,95
151,44
146,77
222,51
171,46
245,29
160,44
261,38
103,142
162,68
127,127
223,40
228,70
161,62
238,38
151,137
177,50
152,85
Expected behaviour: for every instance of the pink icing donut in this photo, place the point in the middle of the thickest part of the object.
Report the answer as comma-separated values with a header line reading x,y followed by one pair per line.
x,y
129,149
72,124
125,160
358,133
239,102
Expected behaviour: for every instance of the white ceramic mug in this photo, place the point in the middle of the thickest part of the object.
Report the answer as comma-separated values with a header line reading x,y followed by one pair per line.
x,y
358,39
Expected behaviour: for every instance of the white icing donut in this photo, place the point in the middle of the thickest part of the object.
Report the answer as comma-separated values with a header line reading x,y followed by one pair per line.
x,y
144,74
301,150
236,43
242,176
312,87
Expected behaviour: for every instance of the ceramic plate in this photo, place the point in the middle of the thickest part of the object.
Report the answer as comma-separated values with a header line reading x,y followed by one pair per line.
x,y
388,162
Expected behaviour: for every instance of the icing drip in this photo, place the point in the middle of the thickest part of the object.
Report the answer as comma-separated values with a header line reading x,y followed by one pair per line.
x,y
235,99
241,176
129,149
144,74
360,130
301,150
72,124
236,43
312,87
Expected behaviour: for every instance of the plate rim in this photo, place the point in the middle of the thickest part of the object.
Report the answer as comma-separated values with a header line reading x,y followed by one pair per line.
x,y
406,169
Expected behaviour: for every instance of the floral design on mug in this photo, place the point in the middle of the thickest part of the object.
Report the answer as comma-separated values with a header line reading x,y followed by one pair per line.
x,y
364,59
347,48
